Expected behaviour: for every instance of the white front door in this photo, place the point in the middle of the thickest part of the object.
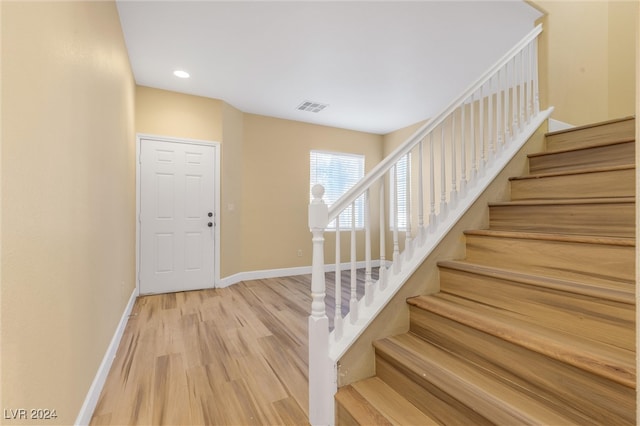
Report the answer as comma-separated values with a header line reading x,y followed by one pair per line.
x,y
177,217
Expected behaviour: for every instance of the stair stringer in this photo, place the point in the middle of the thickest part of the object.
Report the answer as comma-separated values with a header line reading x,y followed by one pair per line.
x,y
419,276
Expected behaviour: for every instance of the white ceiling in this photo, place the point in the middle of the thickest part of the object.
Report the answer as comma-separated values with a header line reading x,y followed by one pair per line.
x,y
380,65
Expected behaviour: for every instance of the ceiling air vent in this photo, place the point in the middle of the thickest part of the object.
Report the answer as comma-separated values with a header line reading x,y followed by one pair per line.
x,y
311,106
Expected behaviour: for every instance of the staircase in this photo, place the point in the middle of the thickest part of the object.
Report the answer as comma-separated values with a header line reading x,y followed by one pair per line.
x,y
537,324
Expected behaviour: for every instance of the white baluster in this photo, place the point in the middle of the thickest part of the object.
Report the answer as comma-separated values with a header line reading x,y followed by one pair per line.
x,y
529,71
382,272
320,365
490,148
536,100
453,197
472,143
394,212
443,175
499,129
463,153
432,187
368,282
353,301
522,105
421,233
337,317
479,159
514,100
408,238
507,135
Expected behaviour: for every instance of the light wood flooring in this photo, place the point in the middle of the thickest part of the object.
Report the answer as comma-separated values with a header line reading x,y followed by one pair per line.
x,y
231,356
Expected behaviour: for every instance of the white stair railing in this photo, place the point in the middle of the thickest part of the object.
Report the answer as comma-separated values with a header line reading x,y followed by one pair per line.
x,y
449,162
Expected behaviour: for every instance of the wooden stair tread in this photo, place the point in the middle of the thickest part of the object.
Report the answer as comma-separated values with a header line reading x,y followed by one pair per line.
x,y
577,157
604,360
588,317
574,172
565,201
576,257
580,182
473,387
372,401
591,125
612,217
612,291
586,239
584,136
595,145
588,320
583,396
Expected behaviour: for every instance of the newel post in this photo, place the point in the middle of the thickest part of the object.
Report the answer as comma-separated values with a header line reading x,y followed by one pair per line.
x,y
322,375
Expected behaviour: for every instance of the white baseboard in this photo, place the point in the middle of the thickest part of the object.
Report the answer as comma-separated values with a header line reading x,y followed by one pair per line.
x,y
285,272
557,125
91,400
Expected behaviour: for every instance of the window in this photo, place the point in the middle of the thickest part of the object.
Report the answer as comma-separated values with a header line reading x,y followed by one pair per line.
x,y
338,172
403,167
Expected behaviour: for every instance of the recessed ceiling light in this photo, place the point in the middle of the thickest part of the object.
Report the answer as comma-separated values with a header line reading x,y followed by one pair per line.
x,y
181,74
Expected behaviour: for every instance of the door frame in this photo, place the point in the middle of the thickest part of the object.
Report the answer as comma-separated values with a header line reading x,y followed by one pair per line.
x,y
216,198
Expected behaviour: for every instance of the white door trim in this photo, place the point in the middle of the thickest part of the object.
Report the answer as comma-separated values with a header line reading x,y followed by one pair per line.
x,y
216,145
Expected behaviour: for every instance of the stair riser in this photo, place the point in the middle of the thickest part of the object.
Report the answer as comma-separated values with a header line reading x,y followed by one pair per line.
x,y
577,393
616,293
613,219
344,417
614,183
601,156
608,322
373,402
589,263
451,378
614,131
425,396
349,399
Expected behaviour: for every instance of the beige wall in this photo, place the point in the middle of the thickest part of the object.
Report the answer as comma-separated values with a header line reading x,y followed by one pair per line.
x,y
587,59
393,140
264,177
276,189
68,198
165,113
622,57
232,190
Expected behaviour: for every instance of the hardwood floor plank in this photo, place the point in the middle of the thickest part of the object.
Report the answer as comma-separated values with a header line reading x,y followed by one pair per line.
x,y
229,356
292,377
170,391
290,413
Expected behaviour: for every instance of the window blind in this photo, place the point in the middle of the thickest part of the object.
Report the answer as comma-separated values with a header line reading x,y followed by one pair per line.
x,y
403,167
338,172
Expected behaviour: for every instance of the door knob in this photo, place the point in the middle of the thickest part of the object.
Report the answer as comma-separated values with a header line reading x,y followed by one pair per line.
x,y
210,214
210,224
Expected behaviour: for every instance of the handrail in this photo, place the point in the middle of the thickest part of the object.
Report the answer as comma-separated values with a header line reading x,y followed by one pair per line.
x,y
381,168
